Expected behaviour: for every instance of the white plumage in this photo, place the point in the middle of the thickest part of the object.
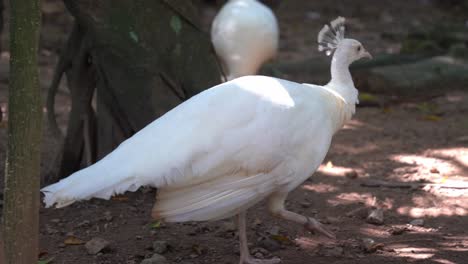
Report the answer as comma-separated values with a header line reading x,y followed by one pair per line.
x,y
245,35
227,148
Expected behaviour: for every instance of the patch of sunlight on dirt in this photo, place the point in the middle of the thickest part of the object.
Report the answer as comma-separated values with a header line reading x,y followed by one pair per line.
x,y
428,163
444,261
337,171
458,154
418,212
320,188
351,198
416,252
374,232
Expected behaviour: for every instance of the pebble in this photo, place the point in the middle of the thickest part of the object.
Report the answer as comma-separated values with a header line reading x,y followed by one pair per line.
x,y
269,244
160,247
108,216
332,251
275,230
84,223
361,212
155,259
228,226
396,230
369,245
351,174
417,222
375,217
96,245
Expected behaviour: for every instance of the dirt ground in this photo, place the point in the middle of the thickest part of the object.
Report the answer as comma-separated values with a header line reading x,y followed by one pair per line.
x,y
418,149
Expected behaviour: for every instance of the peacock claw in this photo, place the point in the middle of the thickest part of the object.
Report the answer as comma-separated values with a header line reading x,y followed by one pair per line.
x,y
251,260
315,226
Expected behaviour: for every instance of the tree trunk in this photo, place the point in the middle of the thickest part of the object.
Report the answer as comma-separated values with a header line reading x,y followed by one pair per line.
x,y
21,205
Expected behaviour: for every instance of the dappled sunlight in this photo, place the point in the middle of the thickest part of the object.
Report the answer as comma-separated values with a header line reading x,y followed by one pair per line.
x,y
320,188
446,210
416,252
458,154
331,170
427,163
351,198
443,261
455,243
374,232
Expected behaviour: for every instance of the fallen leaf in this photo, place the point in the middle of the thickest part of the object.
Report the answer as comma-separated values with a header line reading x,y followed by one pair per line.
x,y
443,179
72,240
156,224
387,110
433,118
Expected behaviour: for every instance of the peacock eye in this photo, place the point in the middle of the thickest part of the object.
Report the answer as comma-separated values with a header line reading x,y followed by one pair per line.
x,y
359,48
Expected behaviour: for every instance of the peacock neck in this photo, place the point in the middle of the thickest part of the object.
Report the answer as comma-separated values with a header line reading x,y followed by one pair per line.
x,y
341,80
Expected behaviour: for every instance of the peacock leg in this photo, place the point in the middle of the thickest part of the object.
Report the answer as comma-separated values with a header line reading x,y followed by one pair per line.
x,y
245,257
276,207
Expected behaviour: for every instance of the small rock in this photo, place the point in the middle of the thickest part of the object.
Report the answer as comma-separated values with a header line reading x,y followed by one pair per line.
x,y
160,247
351,174
84,223
51,230
305,205
96,245
108,216
275,230
257,221
375,217
155,259
417,222
269,244
259,255
369,245
331,220
397,230
332,251
260,250
55,220
361,212
435,171
228,226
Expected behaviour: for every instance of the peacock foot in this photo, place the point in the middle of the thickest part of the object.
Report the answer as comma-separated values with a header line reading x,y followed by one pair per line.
x,y
315,226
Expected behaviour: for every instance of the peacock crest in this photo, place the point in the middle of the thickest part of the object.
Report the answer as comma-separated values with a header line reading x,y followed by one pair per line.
x,y
331,35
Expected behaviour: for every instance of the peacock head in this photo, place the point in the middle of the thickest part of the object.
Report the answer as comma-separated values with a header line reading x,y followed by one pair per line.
x,y
331,40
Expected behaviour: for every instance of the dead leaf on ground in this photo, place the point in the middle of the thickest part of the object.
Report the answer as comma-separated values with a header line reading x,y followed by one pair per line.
x,y
72,240
433,118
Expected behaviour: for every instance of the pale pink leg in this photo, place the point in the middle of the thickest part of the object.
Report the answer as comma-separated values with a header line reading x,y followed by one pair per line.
x,y
276,207
245,257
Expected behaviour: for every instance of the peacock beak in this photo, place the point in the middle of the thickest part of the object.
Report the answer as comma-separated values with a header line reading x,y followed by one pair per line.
x,y
367,55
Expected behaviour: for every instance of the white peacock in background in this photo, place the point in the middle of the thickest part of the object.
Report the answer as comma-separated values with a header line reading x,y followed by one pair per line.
x,y
245,35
